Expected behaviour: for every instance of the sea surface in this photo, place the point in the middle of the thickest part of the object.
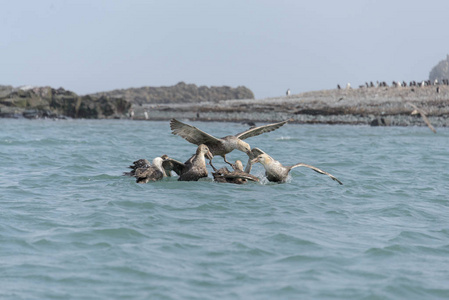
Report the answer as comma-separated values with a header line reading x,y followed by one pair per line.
x,y
72,227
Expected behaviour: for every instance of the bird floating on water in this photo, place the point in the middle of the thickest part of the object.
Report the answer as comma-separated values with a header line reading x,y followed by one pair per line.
x,y
140,163
146,172
208,146
224,145
276,172
238,176
193,169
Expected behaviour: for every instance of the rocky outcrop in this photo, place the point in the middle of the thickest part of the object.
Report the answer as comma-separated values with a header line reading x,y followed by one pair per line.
x,y
179,93
376,106
35,102
441,71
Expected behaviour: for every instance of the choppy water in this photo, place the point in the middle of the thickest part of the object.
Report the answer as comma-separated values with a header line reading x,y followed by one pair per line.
x,y
71,227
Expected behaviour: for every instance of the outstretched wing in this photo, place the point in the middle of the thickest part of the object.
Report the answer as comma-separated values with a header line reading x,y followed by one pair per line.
x,y
423,115
254,131
170,164
192,134
412,105
316,170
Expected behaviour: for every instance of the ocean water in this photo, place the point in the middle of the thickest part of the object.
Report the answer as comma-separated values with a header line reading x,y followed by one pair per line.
x,y
72,227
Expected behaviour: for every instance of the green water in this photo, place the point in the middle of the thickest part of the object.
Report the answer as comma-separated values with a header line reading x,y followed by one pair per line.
x,y
72,227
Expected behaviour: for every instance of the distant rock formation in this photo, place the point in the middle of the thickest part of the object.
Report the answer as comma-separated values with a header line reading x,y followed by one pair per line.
x,y
440,71
179,93
35,102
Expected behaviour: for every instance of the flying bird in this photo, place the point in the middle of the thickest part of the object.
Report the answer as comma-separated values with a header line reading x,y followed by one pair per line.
x,y
224,145
416,111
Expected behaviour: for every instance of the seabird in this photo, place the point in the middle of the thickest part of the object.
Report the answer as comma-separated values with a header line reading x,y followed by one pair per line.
x,y
224,145
238,176
193,169
169,164
419,111
140,163
144,172
276,172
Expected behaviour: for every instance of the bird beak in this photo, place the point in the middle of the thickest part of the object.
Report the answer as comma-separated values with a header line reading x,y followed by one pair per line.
x,y
250,154
253,161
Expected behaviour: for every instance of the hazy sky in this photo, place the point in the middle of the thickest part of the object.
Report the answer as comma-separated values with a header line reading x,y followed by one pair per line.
x,y
89,46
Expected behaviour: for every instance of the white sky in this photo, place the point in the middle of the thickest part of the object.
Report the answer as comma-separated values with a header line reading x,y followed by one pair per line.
x,y
90,46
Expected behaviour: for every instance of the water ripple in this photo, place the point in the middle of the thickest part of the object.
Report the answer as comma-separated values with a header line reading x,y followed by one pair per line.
x,y
73,227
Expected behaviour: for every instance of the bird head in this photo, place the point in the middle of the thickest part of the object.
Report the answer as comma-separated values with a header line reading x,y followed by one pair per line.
x,y
238,166
204,150
244,147
262,158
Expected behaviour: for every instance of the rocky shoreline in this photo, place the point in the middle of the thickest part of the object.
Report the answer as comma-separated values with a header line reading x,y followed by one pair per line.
x,y
376,106
46,102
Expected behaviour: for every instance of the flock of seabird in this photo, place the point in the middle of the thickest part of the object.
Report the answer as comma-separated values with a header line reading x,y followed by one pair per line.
x,y
208,147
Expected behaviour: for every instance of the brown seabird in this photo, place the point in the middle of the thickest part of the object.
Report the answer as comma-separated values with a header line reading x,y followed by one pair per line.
x,y
224,145
276,172
193,169
140,163
416,111
146,172
238,176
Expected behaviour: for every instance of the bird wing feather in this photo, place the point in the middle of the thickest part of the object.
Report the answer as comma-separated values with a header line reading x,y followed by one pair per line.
x,y
192,134
170,164
423,115
426,120
254,131
316,170
144,172
241,175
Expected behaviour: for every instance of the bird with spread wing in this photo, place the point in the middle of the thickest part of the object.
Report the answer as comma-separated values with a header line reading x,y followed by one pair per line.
x,y
224,145
416,111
